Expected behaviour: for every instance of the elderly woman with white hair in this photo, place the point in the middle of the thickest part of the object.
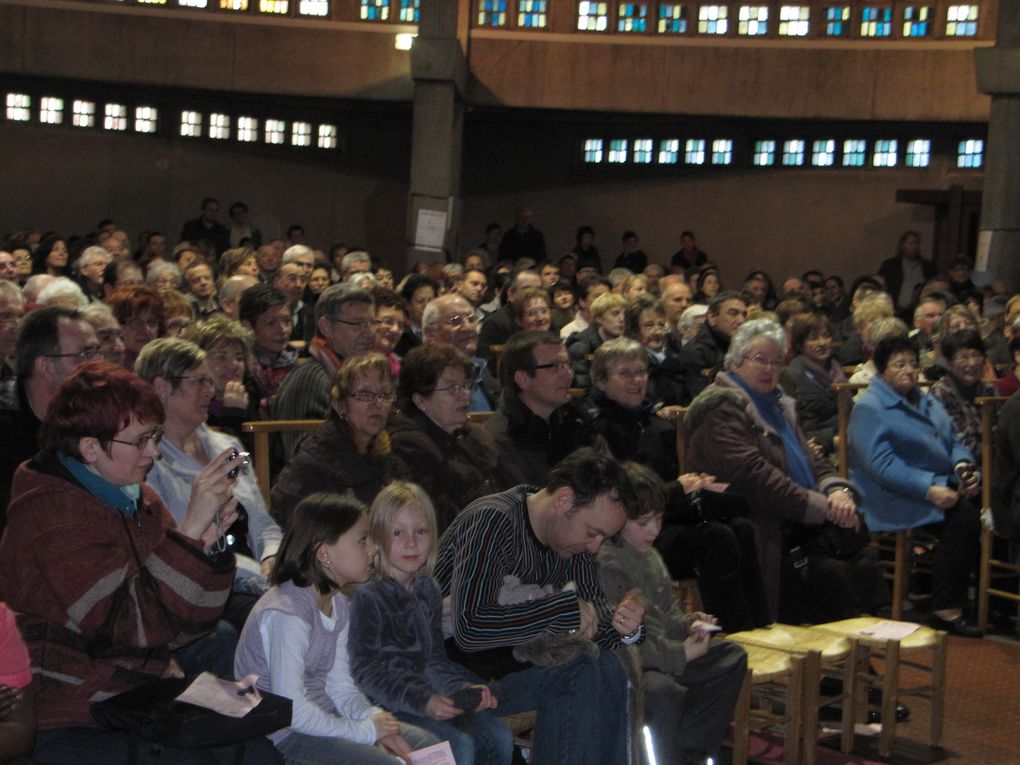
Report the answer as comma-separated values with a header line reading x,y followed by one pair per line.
x,y
743,429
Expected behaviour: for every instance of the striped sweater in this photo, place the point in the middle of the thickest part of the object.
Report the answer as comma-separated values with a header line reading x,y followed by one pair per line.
x,y
101,598
491,539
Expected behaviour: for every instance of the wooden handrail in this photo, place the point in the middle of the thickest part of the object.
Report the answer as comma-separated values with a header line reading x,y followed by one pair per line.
x,y
260,430
844,398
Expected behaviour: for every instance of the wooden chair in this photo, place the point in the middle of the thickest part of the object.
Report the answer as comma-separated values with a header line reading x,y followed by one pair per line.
x,y
479,417
260,430
897,653
990,567
838,657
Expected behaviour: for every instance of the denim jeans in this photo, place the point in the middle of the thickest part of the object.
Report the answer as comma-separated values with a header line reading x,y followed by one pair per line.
x,y
212,653
581,710
299,749
481,739
95,746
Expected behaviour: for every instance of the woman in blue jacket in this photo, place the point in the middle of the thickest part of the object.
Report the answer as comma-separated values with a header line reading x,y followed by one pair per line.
x,y
913,470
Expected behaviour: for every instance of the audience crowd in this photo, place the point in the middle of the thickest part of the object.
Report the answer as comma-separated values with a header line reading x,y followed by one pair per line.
x,y
492,514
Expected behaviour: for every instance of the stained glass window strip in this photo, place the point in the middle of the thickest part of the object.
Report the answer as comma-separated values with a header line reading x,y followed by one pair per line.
x,y
793,152
492,13
592,150
970,153
752,20
313,7
918,153
672,19
247,129
713,19
193,3
191,124
837,21
19,107
146,118
592,16
669,151
327,137
410,11
618,150
83,113
643,150
855,152
694,151
278,7
234,5
51,110
794,20
961,20
632,17
876,21
115,117
374,10
301,134
219,126
764,153
823,152
885,154
722,151
917,20
276,132
532,14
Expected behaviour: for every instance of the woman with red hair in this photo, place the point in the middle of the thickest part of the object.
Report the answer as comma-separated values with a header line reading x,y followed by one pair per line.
x,y
142,317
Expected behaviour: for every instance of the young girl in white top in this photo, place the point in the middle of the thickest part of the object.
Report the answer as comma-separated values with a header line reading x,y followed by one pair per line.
x,y
396,644
295,640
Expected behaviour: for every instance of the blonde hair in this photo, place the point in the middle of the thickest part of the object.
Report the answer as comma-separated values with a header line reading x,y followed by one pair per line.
x,y
386,507
877,305
604,303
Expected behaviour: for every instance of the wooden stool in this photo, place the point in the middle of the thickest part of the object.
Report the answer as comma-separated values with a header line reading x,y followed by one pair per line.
x,y
838,658
895,653
774,676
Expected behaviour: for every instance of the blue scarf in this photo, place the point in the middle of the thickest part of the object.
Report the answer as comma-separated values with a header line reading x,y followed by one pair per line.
x,y
122,498
767,405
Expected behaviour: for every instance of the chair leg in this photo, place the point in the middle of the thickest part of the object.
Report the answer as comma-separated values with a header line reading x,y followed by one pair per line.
x,y
811,679
938,688
742,721
850,664
890,686
794,713
984,577
900,575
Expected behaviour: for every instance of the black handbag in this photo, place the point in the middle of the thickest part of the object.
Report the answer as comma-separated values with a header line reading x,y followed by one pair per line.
x,y
702,506
151,713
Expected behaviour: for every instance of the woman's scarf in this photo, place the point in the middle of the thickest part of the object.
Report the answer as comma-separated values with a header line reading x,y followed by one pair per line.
x,y
823,374
122,498
768,408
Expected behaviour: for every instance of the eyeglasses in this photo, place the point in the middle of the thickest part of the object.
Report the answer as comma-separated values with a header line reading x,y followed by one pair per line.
x,y
92,352
138,324
368,396
655,325
459,320
198,382
760,361
155,435
559,366
536,313
963,357
361,325
456,389
630,374
389,321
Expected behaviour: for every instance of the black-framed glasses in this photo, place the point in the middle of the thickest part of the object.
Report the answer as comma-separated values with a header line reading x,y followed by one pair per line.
x,y
198,381
92,352
368,396
155,435
361,324
559,366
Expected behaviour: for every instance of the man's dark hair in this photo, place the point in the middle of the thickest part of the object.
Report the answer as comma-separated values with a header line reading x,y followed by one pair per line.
x,y
239,206
715,305
492,227
519,353
384,297
337,296
207,200
587,282
687,233
589,474
415,282
962,339
113,270
39,335
582,230
628,235
295,227
258,299
889,346
835,278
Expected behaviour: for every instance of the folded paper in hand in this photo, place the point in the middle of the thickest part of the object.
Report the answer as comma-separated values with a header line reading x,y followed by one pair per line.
x,y
234,698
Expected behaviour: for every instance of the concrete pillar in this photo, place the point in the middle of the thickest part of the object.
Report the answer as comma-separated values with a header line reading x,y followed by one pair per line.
x,y
998,75
439,70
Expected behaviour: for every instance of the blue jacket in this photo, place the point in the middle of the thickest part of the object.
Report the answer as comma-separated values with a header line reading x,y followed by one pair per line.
x,y
897,452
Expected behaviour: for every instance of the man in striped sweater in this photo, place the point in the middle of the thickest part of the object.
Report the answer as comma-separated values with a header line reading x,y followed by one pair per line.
x,y
547,539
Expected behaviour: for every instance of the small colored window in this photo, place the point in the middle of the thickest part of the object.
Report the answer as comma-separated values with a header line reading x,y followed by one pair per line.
x,y
83,114
532,14
191,124
632,17
301,134
837,21
492,13
876,21
694,151
794,20
219,126
793,152
375,10
885,154
970,153
410,11
962,20
753,20
327,136
146,118
51,110
618,150
823,152
764,153
592,151
247,129
276,132
672,19
115,117
918,153
19,107
643,150
855,152
669,151
278,7
917,20
713,19
722,151
592,16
